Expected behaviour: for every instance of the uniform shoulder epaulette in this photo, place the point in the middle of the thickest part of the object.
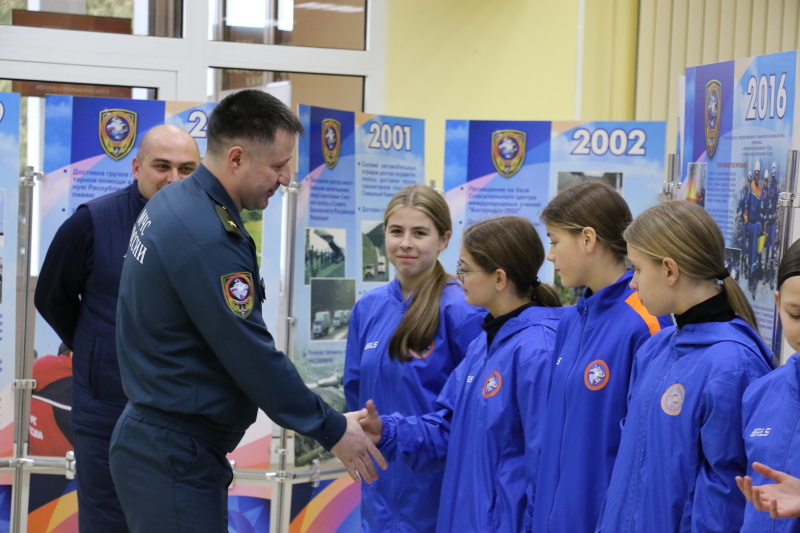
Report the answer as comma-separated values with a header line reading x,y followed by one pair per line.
x,y
227,220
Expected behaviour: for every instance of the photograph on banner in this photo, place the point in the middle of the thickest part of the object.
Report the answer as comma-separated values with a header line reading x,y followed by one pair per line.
x,y
324,253
350,165
331,302
739,120
373,252
629,156
9,184
494,168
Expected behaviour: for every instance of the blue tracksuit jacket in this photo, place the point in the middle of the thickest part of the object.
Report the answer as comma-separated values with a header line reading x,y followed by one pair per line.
x,y
403,500
488,427
681,443
595,344
770,416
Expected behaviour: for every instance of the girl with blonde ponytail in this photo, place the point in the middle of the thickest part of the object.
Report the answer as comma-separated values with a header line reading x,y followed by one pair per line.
x,y
682,443
404,340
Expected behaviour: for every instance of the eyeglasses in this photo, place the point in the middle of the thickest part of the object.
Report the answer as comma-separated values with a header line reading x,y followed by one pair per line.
x,y
460,272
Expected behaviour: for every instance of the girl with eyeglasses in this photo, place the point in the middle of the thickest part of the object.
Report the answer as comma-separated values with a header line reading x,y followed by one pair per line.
x,y
486,425
404,340
682,443
593,355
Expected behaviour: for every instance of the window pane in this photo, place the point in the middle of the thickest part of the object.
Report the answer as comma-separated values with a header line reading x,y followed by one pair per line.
x,y
323,90
333,24
161,18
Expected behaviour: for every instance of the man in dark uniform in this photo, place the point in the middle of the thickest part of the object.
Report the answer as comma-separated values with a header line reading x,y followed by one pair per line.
x,y
195,355
77,295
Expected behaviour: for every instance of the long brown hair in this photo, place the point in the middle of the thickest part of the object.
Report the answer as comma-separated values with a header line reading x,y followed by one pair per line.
x,y
686,233
417,328
512,244
592,204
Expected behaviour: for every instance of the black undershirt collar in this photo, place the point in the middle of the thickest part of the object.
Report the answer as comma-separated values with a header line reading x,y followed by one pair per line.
x,y
492,325
715,309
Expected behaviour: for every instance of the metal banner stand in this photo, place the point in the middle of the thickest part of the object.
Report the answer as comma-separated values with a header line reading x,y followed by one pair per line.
x,y
672,182
280,517
788,202
22,464
279,520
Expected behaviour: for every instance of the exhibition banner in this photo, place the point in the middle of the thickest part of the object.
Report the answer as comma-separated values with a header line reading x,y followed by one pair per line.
x,y
9,209
350,166
496,168
738,126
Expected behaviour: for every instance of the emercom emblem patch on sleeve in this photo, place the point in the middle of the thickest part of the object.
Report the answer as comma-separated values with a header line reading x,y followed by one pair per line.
x,y
238,291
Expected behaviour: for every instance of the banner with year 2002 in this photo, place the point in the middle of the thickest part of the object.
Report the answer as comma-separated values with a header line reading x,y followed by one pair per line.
x,y
495,168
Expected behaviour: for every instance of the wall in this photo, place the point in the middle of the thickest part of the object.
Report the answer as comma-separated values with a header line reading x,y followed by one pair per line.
x,y
515,59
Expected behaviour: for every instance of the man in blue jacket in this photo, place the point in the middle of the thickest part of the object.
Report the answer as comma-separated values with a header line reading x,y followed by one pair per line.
x,y
77,295
195,355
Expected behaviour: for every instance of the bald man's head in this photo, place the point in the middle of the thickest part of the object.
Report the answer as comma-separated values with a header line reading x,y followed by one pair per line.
x,y
166,154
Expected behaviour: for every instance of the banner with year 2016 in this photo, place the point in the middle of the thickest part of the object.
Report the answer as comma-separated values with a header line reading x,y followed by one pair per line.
x,y
350,166
496,168
739,124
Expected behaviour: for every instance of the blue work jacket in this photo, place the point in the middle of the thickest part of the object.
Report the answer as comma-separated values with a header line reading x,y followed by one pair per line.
x,y
403,500
594,351
681,442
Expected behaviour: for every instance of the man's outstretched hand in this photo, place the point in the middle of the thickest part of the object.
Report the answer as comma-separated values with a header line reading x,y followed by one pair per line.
x,y
356,450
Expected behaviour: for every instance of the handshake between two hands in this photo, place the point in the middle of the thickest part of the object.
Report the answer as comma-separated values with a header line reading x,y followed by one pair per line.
x,y
357,447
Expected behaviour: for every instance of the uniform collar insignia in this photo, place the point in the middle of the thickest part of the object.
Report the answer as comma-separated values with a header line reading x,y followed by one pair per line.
x,y
227,220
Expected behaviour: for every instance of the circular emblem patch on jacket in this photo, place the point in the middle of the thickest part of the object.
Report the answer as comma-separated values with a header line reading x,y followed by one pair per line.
x,y
595,377
424,354
492,384
237,288
672,400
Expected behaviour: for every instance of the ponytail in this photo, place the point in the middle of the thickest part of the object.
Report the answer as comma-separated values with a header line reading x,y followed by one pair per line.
x,y
738,302
418,326
545,295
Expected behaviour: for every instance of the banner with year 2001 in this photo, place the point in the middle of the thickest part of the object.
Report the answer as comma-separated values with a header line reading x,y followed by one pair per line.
x,y
350,165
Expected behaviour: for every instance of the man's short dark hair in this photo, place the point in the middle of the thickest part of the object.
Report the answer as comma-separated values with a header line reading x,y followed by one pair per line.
x,y
249,115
